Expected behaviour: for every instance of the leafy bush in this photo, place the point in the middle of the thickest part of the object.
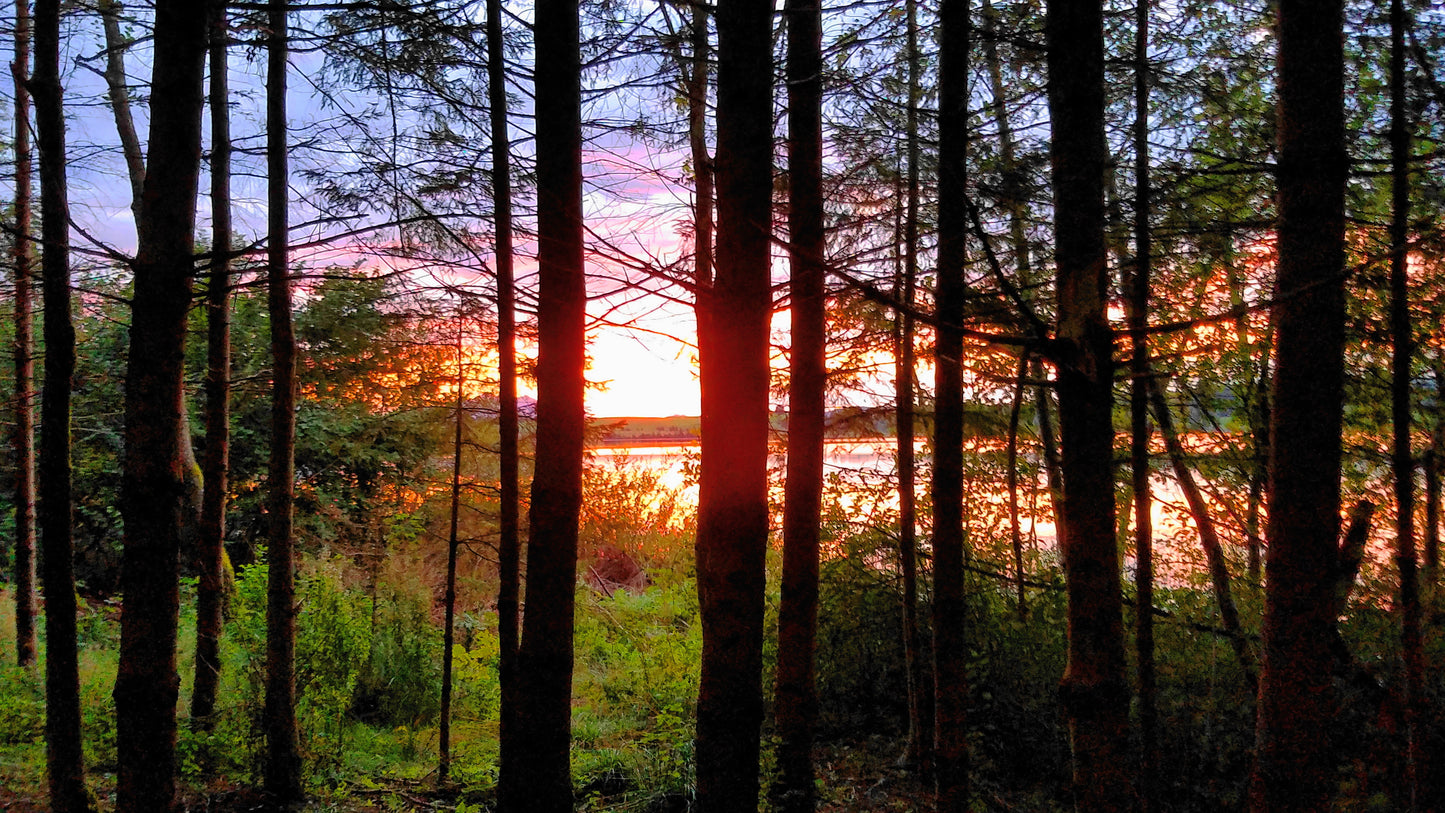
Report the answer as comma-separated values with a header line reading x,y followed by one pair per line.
x,y
400,684
333,635
22,704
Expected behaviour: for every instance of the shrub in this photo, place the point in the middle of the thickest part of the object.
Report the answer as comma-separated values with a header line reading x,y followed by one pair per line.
x,y
400,683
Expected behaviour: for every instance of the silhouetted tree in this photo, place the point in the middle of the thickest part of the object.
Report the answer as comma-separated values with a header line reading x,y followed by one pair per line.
x,y
1294,759
211,554
1402,462
282,775
540,776
154,486
732,513
508,495
950,654
920,684
1095,692
64,760
796,697
1139,388
23,255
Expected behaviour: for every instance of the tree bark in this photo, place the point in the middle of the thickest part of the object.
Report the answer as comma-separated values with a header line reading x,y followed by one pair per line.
x,y
1048,441
542,779
449,600
1095,693
1351,555
950,652
1140,386
509,489
1294,755
702,168
1402,462
23,255
211,554
118,96
65,765
118,92
733,489
919,751
1258,474
1208,538
1016,535
154,488
282,780
1431,464
795,698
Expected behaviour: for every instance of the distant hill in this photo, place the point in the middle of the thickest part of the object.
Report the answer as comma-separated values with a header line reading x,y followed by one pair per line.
x,y
676,429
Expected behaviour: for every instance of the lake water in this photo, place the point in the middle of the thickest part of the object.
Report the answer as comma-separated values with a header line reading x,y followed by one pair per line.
x,y
862,492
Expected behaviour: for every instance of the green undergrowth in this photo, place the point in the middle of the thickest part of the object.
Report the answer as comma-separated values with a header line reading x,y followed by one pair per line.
x,y
368,669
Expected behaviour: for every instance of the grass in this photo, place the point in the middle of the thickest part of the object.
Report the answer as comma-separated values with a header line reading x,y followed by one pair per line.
x,y
636,679
368,660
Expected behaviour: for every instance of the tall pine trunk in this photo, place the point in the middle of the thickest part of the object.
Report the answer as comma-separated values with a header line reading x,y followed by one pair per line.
x,y
796,697
211,556
118,93
733,489
920,683
1138,316
1294,755
282,780
65,767
23,255
541,776
949,648
449,598
154,484
509,490
702,169
1402,462
1095,693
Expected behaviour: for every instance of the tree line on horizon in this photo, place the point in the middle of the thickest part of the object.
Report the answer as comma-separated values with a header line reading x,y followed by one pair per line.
x,y
1086,216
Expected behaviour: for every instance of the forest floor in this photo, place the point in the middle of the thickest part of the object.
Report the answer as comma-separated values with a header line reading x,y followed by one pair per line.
x,y
856,777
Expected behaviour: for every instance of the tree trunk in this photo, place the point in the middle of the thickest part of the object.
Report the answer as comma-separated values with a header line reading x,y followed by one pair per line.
x,y
1095,693
65,766
211,556
1294,758
950,652
1048,441
118,92
702,169
733,490
542,779
1208,538
118,95
1016,535
1012,198
154,487
795,699
1138,318
282,779
919,750
1350,556
449,600
1012,192
509,489
1402,463
23,255
1431,465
